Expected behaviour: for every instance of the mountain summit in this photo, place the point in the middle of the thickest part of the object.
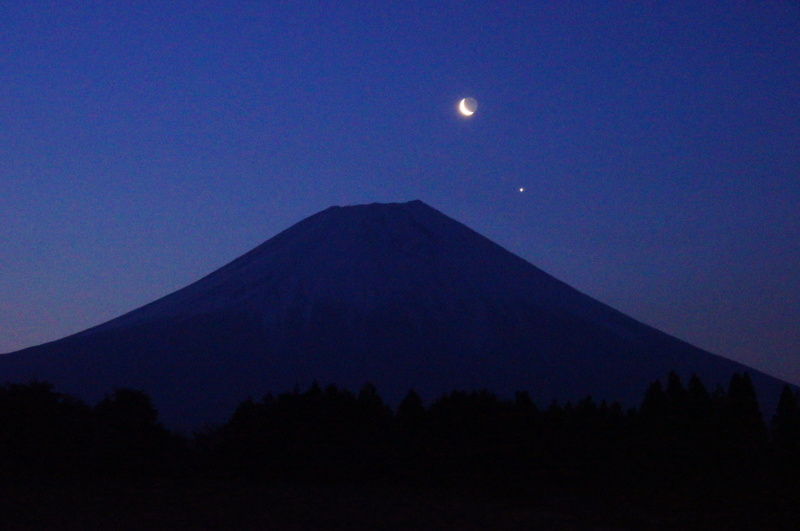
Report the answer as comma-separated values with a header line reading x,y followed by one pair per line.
x,y
399,295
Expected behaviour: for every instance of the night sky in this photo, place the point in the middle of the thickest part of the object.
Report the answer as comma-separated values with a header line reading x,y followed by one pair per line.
x,y
143,145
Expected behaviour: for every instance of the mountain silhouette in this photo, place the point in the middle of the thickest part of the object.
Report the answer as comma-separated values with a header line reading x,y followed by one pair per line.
x,y
399,295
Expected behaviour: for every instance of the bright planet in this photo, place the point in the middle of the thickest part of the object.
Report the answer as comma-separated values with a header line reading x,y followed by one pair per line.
x,y
468,106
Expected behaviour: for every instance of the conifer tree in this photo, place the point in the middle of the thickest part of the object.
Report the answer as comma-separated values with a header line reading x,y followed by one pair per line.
x,y
786,427
654,401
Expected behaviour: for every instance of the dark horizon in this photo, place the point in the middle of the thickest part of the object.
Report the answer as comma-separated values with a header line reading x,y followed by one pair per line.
x,y
327,457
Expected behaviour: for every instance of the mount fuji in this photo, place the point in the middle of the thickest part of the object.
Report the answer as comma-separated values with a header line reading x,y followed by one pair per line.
x,y
399,295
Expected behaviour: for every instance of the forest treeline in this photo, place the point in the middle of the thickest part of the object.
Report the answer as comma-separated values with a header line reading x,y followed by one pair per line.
x,y
682,439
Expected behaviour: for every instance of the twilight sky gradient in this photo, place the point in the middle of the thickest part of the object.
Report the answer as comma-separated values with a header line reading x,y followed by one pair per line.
x,y
142,147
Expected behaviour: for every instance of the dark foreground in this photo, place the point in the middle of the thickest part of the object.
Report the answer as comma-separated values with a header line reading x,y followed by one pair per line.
x,y
331,459
171,504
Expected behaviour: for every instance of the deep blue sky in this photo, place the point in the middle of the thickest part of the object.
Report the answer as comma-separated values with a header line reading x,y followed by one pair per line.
x,y
143,146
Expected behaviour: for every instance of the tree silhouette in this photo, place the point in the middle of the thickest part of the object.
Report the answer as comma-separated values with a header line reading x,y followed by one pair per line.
x,y
654,402
786,428
42,431
744,414
131,439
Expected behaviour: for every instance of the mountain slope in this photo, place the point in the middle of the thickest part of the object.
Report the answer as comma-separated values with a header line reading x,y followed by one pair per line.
x,y
396,294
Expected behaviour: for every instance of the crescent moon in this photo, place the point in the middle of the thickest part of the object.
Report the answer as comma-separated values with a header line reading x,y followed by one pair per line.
x,y
463,108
